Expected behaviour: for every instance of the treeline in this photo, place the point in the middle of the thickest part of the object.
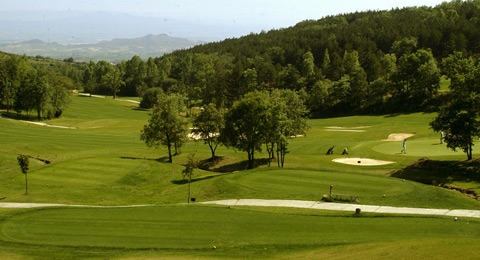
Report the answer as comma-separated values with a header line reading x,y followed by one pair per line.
x,y
376,61
41,85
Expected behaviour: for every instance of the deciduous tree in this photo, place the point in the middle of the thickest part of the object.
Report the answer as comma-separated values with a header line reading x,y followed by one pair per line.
x,y
245,124
207,126
189,172
166,126
23,162
460,118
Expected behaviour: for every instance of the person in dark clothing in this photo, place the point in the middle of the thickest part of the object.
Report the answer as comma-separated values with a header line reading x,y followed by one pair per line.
x,y
330,150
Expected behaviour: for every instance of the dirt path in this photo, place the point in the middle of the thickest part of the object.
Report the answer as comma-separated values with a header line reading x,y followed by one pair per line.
x,y
98,96
289,204
48,125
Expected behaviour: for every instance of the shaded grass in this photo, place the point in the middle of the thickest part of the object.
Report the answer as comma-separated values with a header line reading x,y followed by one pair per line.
x,y
463,175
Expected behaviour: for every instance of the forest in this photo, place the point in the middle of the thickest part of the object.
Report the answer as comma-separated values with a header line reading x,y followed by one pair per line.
x,y
358,63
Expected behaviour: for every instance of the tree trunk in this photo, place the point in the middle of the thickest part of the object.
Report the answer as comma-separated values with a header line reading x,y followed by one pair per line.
x,y
212,149
469,149
250,159
169,151
213,152
189,193
26,184
278,154
283,152
270,152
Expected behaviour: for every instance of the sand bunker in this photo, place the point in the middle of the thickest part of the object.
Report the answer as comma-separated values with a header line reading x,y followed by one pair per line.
x,y
396,137
355,129
196,137
361,161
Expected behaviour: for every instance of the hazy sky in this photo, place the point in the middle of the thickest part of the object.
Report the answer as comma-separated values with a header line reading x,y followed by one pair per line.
x,y
270,13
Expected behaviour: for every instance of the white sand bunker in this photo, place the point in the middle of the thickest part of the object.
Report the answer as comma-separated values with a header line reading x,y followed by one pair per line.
x,y
361,161
196,137
396,137
355,129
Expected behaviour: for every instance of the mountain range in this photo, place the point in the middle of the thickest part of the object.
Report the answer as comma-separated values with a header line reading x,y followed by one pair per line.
x,y
114,50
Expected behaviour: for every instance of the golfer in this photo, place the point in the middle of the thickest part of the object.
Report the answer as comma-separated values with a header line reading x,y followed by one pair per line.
x,y
404,150
441,137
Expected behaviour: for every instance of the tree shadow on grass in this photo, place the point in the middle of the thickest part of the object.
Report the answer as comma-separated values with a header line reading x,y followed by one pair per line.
x,y
17,116
185,181
210,164
441,173
241,166
161,159
141,109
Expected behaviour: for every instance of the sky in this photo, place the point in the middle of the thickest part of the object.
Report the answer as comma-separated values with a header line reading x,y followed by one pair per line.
x,y
265,14
277,13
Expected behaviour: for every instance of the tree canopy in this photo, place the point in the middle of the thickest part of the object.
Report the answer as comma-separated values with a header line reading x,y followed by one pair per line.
x,y
459,119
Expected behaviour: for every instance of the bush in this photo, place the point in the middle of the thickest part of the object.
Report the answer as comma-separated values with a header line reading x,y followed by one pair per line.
x,y
150,98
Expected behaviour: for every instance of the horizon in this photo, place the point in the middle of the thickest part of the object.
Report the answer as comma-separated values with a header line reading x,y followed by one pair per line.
x,y
212,18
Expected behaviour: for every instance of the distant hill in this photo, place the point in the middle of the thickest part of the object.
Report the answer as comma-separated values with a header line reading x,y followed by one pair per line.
x,y
115,50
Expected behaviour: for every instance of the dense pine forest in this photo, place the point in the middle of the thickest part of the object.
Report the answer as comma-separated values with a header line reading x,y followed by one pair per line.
x,y
364,62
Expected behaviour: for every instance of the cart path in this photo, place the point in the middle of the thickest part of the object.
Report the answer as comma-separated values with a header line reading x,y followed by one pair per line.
x,y
287,203
347,207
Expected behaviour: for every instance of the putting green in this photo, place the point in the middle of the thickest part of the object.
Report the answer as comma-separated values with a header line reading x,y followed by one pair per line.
x,y
419,147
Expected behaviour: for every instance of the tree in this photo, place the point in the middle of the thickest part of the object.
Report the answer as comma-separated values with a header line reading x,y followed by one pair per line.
x,y
135,75
294,124
151,97
24,166
189,172
58,94
208,125
10,67
166,126
112,80
417,78
39,94
245,124
460,118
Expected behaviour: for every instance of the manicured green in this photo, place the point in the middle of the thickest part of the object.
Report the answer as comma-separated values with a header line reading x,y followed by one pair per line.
x,y
235,232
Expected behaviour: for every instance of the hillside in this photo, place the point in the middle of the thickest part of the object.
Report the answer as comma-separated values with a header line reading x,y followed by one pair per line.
x,y
115,50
